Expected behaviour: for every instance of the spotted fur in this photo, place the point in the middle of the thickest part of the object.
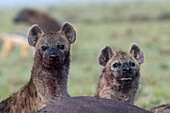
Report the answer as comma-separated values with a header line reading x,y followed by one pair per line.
x,y
109,85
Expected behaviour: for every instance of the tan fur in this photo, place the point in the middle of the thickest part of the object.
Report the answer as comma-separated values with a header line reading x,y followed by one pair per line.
x,y
109,87
12,40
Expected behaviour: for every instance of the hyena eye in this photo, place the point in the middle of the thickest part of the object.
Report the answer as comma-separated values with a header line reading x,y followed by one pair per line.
x,y
61,47
116,65
131,63
44,48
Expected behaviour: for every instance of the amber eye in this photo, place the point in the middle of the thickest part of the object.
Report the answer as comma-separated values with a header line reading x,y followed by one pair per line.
x,y
44,48
131,63
115,65
61,47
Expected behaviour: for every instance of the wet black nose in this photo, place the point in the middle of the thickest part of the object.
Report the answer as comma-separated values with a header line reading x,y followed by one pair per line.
x,y
54,57
127,70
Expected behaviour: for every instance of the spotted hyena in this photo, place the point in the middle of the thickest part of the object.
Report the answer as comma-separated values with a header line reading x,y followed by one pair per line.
x,y
165,108
49,73
121,74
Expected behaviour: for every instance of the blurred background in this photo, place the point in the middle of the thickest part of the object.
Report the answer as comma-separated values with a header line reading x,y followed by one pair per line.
x,y
117,23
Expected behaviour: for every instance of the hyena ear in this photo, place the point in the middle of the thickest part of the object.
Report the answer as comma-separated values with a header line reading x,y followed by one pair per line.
x,y
33,34
105,55
69,31
137,53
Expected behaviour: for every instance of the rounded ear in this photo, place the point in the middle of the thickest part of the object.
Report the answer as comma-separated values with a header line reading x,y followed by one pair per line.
x,y
105,55
69,32
137,53
33,34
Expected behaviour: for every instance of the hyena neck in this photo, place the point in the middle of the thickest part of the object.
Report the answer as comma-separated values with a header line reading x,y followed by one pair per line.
x,y
51,84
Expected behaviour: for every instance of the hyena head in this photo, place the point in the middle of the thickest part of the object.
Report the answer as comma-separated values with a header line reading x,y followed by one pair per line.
x,y
25,15
122,66
53,48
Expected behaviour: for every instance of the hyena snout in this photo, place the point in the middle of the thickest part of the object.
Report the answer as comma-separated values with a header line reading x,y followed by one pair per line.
x,y
126,69
54,56
127,74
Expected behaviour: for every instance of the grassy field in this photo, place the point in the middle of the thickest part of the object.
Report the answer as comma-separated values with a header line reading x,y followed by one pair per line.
x,y
97,25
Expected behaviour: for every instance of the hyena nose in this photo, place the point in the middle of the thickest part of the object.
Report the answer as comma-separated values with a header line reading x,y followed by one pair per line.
x,y
127,70
54,57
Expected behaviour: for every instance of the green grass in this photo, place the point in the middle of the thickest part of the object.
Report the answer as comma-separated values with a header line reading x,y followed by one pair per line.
x,y
96,27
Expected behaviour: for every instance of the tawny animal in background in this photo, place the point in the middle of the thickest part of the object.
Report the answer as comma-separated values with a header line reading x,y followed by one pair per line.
x,y
9,41
161,109
121,74
49,73
31,16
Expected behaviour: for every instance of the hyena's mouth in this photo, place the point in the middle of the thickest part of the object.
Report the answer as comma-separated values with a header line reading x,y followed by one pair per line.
x,y
126,80
53,63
